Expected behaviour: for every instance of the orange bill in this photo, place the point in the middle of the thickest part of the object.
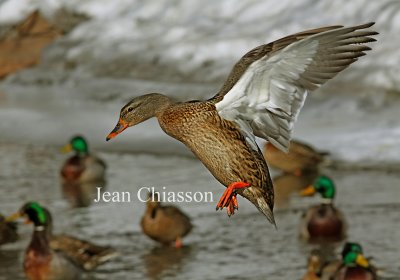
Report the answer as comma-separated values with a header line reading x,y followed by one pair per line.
x,y
309,191
121,126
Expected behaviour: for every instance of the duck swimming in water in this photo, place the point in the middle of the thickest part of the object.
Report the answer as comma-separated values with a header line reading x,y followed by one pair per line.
x,y
322,222
41,262
57,256
165,224
354,265
262,97
82,167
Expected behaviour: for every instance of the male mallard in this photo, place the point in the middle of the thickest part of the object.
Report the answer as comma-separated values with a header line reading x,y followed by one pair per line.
x,y
8,231
80,253
41,262
261,97
165,224
322,222
354,265
299,159
83,166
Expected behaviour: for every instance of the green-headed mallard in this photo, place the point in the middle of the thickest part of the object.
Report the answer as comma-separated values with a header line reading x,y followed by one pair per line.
x,y
41,262
165,224
261,97
354,265
80,253
83,166
323,222
299,159
8,231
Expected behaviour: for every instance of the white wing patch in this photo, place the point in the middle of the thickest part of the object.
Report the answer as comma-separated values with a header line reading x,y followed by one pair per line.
x,y
269,96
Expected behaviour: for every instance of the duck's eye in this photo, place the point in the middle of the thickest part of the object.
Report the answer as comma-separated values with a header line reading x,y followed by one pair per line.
x,y
130,109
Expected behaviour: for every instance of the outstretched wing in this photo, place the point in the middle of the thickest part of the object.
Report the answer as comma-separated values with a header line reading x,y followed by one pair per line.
x,y
268,86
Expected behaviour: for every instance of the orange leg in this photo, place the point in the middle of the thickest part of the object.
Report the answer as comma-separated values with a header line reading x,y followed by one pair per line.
x,y
228,198
178,242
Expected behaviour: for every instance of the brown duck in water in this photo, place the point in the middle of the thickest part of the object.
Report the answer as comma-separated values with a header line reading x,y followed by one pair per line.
x,y
261,97
314,267
319,264
165,224
8,231
83,166
301,158
323,222
57,256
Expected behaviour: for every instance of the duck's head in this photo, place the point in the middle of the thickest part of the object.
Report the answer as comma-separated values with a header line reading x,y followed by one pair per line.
x,y
153,200
352,255
77,144
33,212
323,185
138,110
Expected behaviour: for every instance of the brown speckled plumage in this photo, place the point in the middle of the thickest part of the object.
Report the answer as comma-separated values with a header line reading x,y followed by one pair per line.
x,y
262,96
218,149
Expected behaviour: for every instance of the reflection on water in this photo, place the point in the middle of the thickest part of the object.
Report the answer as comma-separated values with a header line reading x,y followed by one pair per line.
x,y
165,260
244,246
81,194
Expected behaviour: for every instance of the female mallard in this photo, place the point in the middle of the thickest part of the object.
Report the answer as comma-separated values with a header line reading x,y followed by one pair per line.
x,y
299,159
319,265
83,166
82,253
323,222
85,254
314,266
262,97
354,265
165,224
41,262
8,231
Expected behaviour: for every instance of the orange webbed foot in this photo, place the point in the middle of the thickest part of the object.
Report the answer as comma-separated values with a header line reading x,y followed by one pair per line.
x,y
228,198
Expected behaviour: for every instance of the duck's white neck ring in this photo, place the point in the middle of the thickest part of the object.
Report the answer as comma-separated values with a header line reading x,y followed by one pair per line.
x,y
39,228
326,201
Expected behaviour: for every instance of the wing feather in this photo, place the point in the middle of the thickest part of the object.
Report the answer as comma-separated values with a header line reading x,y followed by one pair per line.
x,y
268,86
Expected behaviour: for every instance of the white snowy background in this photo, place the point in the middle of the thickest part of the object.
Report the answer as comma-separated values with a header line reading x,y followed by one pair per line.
x,y
186,48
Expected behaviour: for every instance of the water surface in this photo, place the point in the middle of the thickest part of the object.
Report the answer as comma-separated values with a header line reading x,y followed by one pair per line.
x,y
244,246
